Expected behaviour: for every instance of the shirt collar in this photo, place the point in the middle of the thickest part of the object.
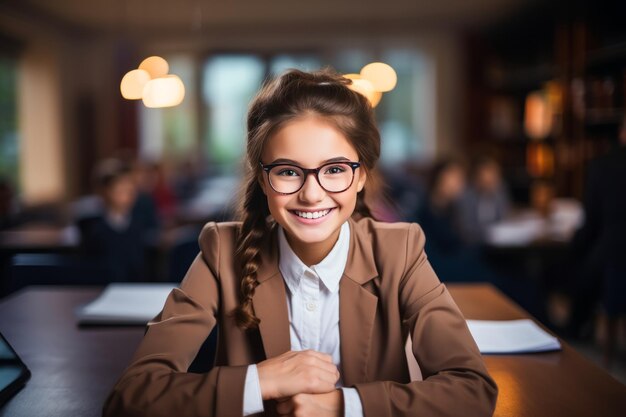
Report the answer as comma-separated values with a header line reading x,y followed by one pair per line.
x,y
329,270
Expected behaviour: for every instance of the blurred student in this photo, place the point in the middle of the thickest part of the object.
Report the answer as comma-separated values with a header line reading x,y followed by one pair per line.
x,y
439,217
145,208
154,183
599,246
454,259
185,181
485,201
114,236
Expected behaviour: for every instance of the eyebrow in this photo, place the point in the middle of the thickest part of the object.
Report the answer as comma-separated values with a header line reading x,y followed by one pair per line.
x,y
292,162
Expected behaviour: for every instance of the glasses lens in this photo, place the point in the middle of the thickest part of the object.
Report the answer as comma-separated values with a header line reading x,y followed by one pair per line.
x,y
286,178
336,177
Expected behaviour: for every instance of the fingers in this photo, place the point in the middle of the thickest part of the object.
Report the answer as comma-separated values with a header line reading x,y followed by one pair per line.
x,y
296,372
305,360
316,374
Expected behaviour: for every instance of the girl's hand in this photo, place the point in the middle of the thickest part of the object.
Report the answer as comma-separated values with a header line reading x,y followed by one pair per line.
x,y
296,372
318,405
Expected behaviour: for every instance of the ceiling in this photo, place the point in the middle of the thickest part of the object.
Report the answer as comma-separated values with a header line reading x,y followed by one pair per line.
x,y
109,16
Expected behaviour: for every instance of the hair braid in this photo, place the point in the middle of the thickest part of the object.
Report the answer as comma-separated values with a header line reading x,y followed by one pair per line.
x,y
253,231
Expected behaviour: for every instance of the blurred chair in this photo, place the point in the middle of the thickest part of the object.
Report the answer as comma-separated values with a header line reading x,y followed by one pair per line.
x,y
53,269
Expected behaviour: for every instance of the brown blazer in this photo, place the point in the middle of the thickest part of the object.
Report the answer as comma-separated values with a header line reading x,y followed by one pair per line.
x,y
388,291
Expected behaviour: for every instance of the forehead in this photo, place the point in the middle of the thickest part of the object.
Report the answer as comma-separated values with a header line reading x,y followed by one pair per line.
x,y
310,141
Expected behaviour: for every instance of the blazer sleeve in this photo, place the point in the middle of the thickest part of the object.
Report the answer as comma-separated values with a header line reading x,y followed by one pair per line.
x,y
157,382
456,381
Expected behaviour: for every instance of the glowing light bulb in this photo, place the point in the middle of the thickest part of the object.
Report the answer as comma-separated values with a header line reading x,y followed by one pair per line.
x,y
133,83
167,91
375,97
155,65
381,75
538,116
365,87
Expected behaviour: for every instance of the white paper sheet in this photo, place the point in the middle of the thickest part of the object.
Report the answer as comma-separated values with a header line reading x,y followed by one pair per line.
x,y
126,303
511,336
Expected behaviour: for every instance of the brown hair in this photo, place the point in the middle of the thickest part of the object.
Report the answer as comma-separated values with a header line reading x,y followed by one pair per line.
x,y
294,94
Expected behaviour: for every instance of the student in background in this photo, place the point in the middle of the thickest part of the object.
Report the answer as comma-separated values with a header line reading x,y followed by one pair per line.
x,y
455,259
598,249
485,201
145,210
439,216
113,235
153,182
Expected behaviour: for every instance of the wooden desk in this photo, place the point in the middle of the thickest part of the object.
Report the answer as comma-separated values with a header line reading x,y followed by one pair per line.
x,y
541,384
74,368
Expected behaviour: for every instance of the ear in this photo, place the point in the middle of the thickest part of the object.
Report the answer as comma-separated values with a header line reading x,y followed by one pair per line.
x,y
362,180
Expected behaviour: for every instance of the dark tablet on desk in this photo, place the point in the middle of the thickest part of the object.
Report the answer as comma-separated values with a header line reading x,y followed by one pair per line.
x,y
13,372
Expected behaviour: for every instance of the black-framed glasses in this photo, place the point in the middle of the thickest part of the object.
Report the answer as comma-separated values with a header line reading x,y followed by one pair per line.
x,y
333,177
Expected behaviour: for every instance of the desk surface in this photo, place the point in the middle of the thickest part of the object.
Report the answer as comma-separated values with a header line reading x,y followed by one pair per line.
x,y
546,384
74,368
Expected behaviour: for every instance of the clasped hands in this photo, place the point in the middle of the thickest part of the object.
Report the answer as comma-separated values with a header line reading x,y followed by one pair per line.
x,y
303,383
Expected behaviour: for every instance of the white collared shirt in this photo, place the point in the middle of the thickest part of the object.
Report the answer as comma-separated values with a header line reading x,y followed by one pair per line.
x,y
313,307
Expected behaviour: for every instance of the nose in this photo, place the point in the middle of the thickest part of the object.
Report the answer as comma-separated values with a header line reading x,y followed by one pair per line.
x,y
311,191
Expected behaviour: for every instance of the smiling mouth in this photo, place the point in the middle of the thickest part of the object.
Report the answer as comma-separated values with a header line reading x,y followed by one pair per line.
x,y
311,214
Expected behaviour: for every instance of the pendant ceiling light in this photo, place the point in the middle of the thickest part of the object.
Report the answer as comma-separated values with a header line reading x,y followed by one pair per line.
x,y
374,79
381,75
133,83
365,87
152,83
167,91
538,116
155,66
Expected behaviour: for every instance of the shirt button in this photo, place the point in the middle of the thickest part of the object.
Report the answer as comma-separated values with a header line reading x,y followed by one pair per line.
x,y
311,306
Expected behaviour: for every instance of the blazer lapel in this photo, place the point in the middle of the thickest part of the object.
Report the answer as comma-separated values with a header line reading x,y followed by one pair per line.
x,y
357,308
270,303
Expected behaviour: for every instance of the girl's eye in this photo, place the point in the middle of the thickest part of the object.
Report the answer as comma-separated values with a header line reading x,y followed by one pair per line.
x,y
288,172
335,169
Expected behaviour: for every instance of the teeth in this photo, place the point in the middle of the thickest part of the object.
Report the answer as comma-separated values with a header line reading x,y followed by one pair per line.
x,y
312,215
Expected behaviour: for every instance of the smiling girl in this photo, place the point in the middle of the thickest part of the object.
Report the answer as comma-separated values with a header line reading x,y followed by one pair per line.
x,y
314,300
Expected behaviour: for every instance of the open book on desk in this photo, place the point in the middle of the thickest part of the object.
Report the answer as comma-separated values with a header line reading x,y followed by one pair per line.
x,y
126,304
511,336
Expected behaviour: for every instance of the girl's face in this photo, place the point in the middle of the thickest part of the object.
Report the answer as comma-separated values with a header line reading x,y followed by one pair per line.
x,y
309,142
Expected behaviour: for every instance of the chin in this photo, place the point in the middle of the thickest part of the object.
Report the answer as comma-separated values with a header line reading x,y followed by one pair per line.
x,y
312,236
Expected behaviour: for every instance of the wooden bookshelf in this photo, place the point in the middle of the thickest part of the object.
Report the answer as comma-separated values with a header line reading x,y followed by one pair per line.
x,y
577,58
